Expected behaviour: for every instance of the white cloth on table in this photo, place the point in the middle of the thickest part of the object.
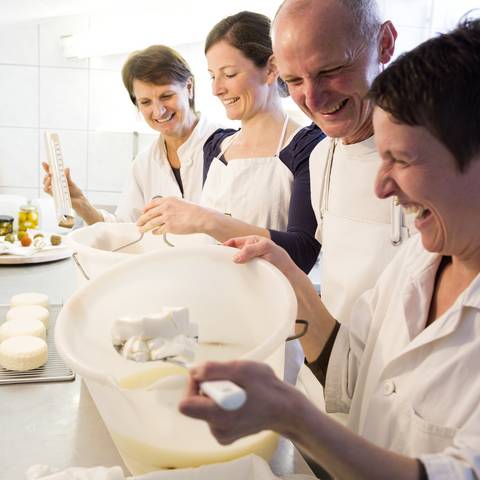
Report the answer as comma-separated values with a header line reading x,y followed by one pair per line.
x,y
152,175
45,472
250,467
411,389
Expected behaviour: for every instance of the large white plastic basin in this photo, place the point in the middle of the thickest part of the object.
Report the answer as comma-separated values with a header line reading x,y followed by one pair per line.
x,y
93,245
250,305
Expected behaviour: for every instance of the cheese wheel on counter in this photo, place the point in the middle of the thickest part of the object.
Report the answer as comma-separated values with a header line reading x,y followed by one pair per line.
x,y
23,353
29,312
30,298
25,327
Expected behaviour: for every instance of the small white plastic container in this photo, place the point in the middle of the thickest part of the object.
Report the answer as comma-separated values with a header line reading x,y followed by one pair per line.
x,y
243,311
93,245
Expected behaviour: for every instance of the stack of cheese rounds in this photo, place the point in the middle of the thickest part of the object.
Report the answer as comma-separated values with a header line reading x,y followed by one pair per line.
x,y
22,335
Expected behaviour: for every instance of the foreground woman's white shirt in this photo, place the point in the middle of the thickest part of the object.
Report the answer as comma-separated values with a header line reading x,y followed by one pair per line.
x,y
411,389
152,175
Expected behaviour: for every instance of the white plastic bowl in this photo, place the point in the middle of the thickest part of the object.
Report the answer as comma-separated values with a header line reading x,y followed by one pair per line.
x,y
252,306
93,246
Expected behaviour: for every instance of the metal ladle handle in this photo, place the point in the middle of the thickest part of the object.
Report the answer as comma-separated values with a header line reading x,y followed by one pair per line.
x,y
79,265
302,333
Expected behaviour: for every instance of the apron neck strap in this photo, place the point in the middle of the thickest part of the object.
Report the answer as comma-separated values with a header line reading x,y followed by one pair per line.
x,y
279,146
282,136
228,144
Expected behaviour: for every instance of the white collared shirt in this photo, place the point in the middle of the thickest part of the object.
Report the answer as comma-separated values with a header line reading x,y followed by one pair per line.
x,y
152,174
407,388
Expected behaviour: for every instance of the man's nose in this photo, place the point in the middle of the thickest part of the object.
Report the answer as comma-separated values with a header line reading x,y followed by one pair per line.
x,y
312,95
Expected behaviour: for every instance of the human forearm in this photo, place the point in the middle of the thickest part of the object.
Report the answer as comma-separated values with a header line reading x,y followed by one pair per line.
x,y
300,245
311,308
223,227
342,453
86,210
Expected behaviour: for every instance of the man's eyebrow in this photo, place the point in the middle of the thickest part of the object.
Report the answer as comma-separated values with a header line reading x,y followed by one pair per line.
x,y
323,71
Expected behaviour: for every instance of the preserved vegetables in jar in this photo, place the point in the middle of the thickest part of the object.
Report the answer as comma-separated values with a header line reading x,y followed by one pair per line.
x,y
27,217
6,225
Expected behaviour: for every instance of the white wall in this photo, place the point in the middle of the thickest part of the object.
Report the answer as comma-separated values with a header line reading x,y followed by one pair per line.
x,y
85,102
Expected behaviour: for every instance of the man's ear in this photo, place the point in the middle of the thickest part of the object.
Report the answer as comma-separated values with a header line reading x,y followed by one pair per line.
x,y
388,35
272,70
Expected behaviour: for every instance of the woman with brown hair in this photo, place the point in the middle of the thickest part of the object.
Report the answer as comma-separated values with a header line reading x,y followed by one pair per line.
x,y
258,175
161,85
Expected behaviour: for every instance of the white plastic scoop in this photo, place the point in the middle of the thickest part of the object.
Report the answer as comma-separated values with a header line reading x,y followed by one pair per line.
x,y
224,393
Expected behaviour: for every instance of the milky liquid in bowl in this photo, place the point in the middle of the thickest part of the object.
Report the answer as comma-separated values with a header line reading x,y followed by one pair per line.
x,y
143,457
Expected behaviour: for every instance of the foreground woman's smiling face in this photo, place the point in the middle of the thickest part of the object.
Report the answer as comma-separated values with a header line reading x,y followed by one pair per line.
x,y
421,172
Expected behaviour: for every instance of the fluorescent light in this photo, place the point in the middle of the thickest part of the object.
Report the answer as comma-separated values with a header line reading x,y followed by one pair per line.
x,y
116,41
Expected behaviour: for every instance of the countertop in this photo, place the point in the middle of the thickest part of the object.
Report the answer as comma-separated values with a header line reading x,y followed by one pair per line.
x,y
57,423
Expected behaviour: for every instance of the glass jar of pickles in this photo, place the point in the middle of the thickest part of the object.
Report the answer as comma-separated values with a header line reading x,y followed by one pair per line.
x,y
27,217
6,225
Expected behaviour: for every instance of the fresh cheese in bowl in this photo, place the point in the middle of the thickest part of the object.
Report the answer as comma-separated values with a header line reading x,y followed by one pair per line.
x,y
242,312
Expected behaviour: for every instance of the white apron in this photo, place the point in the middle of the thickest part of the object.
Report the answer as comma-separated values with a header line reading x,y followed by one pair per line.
x,y
254,190
355,249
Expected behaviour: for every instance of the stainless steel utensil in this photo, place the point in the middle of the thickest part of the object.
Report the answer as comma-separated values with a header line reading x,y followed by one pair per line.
x,y
121,247
165,239
129,243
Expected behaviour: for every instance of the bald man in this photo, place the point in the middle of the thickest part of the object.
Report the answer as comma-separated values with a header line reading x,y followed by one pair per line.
x,y
329,52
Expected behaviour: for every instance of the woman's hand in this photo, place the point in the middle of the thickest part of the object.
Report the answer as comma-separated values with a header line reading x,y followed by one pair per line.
x,y
273,405
76,193
256,246
172,215
80,202
265,407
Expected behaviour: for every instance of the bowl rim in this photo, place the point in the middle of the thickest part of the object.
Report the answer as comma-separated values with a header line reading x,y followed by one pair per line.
x,y
261,351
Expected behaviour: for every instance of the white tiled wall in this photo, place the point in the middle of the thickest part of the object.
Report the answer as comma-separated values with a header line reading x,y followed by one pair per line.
x,y
19,44
19,87
86,103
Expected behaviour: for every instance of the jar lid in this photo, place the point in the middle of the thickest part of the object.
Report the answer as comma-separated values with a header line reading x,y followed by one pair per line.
x,y
28,207
6,218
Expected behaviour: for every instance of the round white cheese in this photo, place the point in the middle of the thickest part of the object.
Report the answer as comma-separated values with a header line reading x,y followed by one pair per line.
x,y
30,312
22,327
30,298
23,353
